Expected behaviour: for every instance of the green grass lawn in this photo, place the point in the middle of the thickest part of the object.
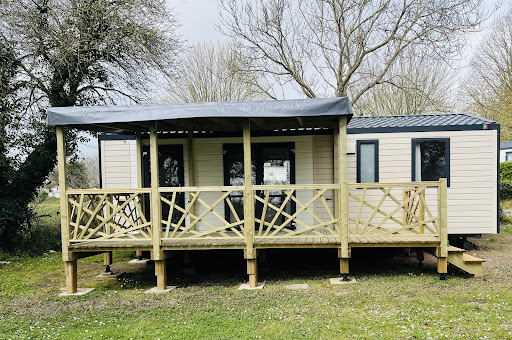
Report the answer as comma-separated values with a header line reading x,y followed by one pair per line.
x,y
394,298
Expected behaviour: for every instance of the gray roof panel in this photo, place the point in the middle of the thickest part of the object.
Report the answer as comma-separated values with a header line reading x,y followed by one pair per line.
x,y
427,122
91,115
506,145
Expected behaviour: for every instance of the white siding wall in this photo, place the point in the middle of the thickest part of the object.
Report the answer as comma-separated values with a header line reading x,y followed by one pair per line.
x,y
210,170
323,161
472,195
118,164
472,206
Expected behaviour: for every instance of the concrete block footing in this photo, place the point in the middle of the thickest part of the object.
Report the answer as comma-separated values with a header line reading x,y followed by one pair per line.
x,y
154,290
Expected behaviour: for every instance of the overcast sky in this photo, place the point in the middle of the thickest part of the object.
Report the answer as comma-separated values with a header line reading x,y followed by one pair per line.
x,y
199,18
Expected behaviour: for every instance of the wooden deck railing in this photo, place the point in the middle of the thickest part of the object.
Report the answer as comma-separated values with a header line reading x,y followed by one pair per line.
x,y
200,214
394,209
107,214
300,211
303,212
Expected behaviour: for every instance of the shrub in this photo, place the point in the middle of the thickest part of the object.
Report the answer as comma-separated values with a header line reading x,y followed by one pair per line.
x,y
505,190
506,171
506,180
44,232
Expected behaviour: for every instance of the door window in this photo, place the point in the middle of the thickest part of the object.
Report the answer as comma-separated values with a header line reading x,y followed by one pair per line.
x,y
272,164
170,173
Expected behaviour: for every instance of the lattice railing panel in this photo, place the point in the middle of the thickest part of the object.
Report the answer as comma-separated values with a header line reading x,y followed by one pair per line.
x,y
388,210
102,215
200,214
295,211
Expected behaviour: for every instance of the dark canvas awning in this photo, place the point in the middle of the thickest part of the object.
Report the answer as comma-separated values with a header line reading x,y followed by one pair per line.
x,y
221,116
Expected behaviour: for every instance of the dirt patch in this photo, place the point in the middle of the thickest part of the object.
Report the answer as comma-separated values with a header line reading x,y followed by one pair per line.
x,y
496,250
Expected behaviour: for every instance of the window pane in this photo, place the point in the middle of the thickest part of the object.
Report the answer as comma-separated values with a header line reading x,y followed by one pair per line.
x,y
367,162
508,157
433,160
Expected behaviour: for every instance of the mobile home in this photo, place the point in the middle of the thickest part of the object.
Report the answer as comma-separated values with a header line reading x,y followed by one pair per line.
x,y
176,177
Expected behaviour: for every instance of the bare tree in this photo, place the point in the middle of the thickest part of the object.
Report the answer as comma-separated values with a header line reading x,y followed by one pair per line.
x,y
340,48
80,174
488,85
78,52
215,73
416,85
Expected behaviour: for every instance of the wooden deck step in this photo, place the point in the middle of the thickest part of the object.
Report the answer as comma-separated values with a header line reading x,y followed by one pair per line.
x,y
466,262
469,258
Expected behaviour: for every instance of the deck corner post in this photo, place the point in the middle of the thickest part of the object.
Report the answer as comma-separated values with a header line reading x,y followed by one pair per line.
x,y
341,156
443,216
442,260
156,206
249,222
140,176
64,204
71,272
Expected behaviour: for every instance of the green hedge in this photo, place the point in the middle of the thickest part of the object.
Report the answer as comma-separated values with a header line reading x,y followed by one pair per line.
x,y
506,190
506,180
506,172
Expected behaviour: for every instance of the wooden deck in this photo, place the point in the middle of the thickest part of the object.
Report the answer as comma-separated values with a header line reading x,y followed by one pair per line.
x,y
308,240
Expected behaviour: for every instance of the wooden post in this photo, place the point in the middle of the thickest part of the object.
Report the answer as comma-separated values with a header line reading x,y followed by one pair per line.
x,y
442,198
64,205
70,269
341,194
443,215
107,258
420,255
108,227
406,214
156,206
161,274
70,265
252,271
107,262
442,267
191,167
344,268
140,184
421,212
345,231
336,170
249,222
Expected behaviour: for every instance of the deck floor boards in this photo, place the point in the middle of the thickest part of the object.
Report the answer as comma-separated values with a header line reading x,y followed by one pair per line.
x,y
281,239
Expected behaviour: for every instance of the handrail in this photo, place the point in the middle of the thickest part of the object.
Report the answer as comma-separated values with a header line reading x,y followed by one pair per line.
x,y
206,188
107,191
394,184
295,186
